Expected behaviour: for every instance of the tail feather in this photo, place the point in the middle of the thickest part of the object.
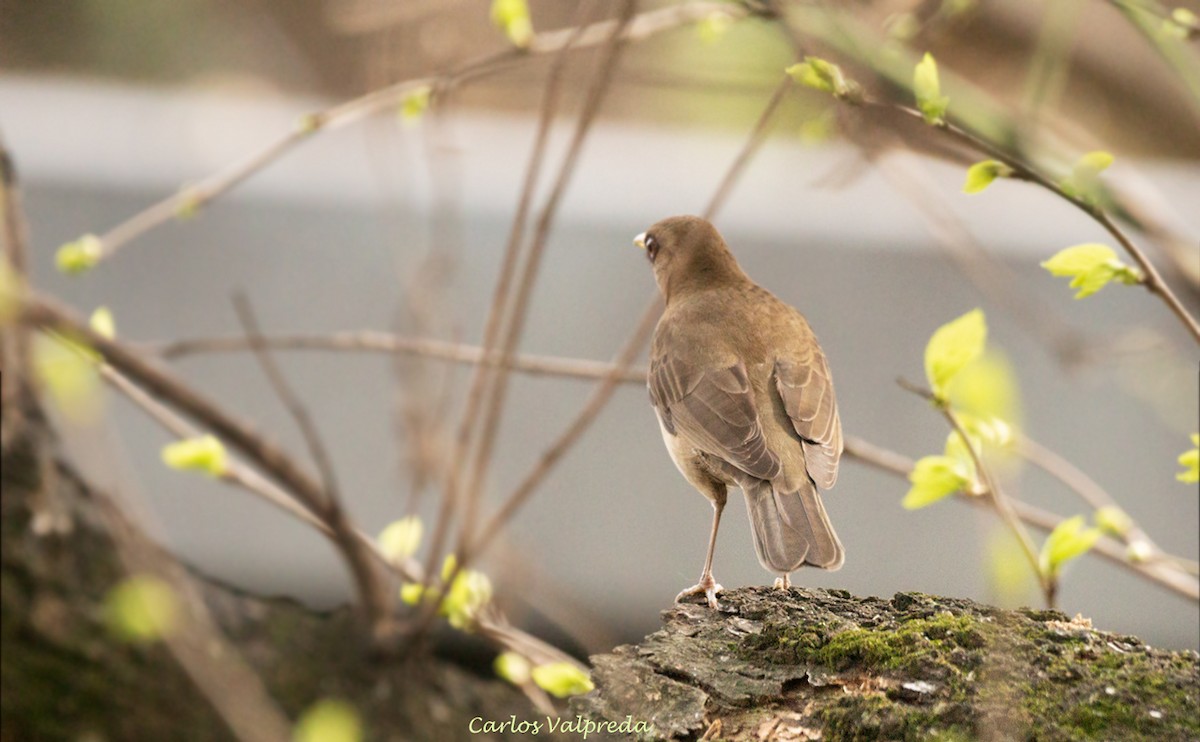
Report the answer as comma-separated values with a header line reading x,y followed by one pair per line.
x,y
791,529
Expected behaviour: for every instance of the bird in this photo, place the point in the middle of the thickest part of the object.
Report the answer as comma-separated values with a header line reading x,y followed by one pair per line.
x,y
744,398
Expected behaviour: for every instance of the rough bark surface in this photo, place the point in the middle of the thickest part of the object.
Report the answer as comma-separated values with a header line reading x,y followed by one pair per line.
x,y
816,664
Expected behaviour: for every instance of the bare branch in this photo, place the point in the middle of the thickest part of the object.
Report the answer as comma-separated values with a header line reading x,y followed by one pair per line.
x,y
481,378
1163,572
381,342
1152,280
518,310
1089,491
196,196
595,403
280,466
492,625
297,410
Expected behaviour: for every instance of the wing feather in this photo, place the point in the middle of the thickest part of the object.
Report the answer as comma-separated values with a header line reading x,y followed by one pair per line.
x,y
806,387
714,409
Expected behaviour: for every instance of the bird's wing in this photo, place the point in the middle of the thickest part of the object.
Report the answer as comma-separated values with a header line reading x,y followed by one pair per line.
x,y
713,408
804,383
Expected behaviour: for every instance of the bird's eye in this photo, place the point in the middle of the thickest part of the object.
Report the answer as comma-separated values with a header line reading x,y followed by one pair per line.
x,y
651,247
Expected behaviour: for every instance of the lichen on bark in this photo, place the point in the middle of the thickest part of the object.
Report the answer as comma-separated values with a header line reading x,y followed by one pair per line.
x,y
816,664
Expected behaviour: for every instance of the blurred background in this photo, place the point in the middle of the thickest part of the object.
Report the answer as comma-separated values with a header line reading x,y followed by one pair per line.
x,y
396,224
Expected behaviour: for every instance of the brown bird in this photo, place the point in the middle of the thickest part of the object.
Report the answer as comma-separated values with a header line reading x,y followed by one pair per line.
x,y
744,398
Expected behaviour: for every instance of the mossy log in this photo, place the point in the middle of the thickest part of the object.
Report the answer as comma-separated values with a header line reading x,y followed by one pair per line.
x,y
816,664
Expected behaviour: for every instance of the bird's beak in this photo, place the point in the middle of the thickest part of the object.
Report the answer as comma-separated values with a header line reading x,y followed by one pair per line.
x,y
640,240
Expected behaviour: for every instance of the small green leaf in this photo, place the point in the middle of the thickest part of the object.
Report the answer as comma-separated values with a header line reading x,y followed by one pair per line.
x,y
328,720
953,346
1112,520
1182,24
562,679
513,667
67,370
1185,17
469,593
820,74
1190,461
79,256
102,323
928,91
416,103
401,539
449,565
1091,267
981,174
986,391
411,592
140,609
1069,540
934,478
205,453
512,17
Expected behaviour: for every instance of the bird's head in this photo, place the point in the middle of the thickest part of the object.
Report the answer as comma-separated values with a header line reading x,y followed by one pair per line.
x,y
688,254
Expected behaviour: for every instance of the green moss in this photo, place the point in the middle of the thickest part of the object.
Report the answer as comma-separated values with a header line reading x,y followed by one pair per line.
x,y
1015,675
874,717
916,644
1091,692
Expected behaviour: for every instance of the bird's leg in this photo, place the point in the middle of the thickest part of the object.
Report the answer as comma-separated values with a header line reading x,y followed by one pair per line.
x,y
707,585
783,583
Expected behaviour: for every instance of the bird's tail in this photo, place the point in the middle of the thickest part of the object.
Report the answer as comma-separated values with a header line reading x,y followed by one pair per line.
x,y
791,529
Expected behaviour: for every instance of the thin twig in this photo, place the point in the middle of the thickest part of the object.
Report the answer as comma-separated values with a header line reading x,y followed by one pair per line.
x,y
999,499
518,311
274,461
193,197
1152,280
382,342
483,380
1162,572
1091,493
492,624
595,403
373,593
297,410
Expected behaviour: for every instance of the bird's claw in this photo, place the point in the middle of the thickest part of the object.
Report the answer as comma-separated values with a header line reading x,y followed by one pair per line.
x,y
707,587
782,583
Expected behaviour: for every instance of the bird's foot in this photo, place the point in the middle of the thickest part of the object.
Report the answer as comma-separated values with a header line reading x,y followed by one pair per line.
x,y
707,587
783,583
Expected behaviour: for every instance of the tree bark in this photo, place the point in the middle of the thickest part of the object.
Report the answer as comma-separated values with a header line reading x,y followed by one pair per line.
x,y
817,664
